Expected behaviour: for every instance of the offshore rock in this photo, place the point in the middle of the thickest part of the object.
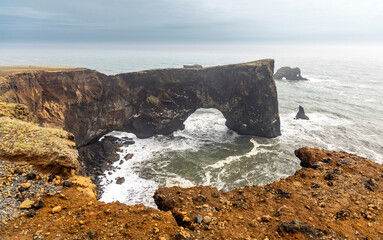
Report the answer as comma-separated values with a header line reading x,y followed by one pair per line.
x,y
90,104
301,114
289,74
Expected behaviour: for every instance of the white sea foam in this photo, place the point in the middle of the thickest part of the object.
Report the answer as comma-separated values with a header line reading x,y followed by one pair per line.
x,y
231,159
198,130
339,99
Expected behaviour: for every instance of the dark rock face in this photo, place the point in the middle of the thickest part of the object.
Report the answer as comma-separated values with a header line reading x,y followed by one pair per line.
x,y
289,73
90,104
99,156
301,114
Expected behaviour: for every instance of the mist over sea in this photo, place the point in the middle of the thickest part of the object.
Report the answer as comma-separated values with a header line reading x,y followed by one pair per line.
x,y
344,100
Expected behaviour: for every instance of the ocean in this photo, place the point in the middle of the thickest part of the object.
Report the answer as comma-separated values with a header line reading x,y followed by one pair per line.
x,y
343,99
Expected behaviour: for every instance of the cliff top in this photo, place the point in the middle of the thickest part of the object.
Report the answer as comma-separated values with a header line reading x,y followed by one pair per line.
x,y
6,70
21,139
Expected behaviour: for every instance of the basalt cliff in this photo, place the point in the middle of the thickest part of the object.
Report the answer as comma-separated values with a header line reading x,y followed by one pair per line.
x,y
90,104
335,195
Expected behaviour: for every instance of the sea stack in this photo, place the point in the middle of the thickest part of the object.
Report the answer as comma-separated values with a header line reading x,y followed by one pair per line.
x,y
301,114
289,73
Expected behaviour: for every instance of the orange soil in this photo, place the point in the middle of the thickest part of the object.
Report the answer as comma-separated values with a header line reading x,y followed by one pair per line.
x,y
338,196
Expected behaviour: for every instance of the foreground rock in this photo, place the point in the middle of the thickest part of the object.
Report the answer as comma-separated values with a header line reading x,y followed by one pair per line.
x,y
90,104
301,114
71,215
335,196
289,74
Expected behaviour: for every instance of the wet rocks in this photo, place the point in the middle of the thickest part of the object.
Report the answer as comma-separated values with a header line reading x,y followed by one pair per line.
x,y
128,156
120,180
289,73
98,157
301,114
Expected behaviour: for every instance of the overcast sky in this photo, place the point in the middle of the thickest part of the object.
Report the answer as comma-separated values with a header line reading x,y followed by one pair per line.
x,y
191,20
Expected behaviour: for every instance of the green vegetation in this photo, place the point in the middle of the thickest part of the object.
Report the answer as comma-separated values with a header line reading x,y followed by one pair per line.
x,y
28,141
15,110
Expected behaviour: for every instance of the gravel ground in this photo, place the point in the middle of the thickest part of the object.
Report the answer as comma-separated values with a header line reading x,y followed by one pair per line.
x,y
21,183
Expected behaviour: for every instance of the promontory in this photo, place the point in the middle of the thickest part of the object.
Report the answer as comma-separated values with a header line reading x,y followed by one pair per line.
x,y
90,104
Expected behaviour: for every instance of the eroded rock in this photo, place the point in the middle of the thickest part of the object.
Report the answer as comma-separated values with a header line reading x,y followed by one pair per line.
x,y
301,114
326,211
289,74
90,104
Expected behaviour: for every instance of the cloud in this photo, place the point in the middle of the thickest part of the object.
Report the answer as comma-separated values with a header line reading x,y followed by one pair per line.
x,y
24,12
204,20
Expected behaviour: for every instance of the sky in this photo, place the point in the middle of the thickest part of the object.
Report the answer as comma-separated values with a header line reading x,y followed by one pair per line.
x,y
191,20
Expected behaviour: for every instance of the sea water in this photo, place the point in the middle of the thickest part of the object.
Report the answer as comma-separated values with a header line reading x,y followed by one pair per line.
x,y
343,98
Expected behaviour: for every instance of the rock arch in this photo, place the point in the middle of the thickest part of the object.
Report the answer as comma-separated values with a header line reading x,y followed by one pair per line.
x,y
244,93
90,104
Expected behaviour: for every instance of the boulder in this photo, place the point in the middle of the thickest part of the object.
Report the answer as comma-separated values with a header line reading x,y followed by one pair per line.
x,y
120,180
301,114
289,74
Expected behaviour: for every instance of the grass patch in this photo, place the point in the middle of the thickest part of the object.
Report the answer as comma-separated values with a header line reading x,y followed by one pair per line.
x,y
22,140
15,110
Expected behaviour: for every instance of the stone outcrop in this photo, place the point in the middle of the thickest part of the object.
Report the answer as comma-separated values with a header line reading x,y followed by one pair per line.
x,y
90,104
193,66
98,157
335,195
22,140
301,114
289,74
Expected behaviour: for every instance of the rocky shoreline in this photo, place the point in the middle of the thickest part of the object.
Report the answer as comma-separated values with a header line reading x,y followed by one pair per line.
x,y
99,157
46,191
336,195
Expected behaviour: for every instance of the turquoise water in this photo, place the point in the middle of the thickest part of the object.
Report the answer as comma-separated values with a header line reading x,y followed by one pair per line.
x,y
343,100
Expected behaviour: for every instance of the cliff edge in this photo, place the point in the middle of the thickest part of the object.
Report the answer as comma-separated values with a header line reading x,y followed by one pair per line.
x,y
335,195
90,104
